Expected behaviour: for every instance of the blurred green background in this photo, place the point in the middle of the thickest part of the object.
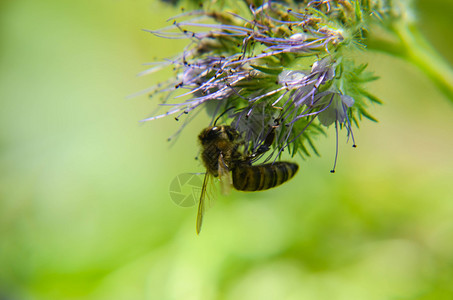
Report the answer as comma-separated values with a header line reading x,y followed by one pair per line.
x,y
85,211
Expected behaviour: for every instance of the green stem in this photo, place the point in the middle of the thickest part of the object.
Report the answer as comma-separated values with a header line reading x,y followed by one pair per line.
x,y
412,46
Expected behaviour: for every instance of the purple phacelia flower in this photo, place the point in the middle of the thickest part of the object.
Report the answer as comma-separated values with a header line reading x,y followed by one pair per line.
x,y
275,67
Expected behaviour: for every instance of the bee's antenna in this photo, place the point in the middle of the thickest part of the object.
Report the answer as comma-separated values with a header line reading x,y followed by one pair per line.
x,y
224,112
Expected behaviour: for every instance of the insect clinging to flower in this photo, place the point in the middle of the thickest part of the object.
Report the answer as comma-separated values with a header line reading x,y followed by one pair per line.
x,y
222,156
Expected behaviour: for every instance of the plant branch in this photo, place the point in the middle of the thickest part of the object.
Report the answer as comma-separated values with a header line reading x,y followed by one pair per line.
x,y
408,43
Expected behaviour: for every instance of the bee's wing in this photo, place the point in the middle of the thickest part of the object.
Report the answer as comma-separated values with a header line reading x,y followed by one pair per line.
x,y
201,204
224,176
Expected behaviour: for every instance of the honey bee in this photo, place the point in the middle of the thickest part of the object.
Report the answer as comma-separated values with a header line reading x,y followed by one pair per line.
x,y
221,154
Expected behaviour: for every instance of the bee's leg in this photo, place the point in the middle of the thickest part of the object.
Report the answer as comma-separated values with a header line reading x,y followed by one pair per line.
x,y
222,164
224,175
266,145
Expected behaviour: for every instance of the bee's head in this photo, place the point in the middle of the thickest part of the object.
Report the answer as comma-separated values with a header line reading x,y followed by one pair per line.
x,y
218,133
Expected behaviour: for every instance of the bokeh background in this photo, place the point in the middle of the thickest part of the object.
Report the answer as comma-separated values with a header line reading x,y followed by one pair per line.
x,y
85,211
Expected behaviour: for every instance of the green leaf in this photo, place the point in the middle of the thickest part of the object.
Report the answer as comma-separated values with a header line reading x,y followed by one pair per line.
x,y
364,113
270,71
370,97
312,146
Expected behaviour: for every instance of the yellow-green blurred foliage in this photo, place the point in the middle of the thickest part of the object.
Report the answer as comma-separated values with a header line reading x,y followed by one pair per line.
x,y
85,211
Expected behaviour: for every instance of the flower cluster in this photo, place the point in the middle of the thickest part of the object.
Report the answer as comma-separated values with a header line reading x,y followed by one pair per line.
x,y
282,66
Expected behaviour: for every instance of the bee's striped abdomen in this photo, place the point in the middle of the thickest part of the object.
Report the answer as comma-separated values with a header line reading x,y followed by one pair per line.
x,y
262,177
